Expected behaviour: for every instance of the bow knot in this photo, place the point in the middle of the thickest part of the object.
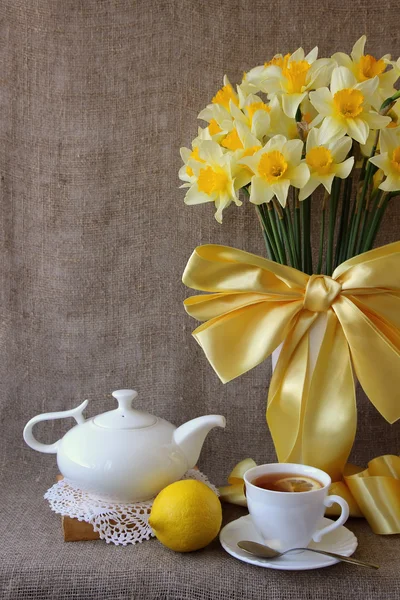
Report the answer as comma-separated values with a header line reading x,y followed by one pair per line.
x,y
321,291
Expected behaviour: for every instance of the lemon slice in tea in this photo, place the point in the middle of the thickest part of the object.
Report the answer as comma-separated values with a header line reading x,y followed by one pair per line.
x,y
298,483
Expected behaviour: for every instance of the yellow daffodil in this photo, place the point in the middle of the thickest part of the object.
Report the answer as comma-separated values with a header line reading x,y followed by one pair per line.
x,y
346,107
216,178
365,66
280,123
218,113
325,160
188,156
254,113
275,168
219,120
389,159
291,77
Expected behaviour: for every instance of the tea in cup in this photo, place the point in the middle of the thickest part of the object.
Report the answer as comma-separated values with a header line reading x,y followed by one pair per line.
x,y
287,501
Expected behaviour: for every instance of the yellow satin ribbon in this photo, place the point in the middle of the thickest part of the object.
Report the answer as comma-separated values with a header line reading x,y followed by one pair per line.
x,y
373,493
255,304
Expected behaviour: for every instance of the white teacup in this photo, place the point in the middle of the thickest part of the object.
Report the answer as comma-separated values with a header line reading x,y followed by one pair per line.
x,y
288,520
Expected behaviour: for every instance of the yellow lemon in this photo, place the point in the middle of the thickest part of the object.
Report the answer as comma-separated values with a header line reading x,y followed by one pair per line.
x,y
186,516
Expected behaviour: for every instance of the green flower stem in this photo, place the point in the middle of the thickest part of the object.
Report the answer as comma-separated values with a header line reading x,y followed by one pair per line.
x,y
278,241
333,204
297,228
305,213
322,235
289,224
367,218
376,221
283,230
363,224
268,244
266,229
341,242
389,101
360,207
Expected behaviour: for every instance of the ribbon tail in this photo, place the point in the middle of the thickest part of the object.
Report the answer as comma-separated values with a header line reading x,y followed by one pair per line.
x,y
330,415
377,492
375,353
289,386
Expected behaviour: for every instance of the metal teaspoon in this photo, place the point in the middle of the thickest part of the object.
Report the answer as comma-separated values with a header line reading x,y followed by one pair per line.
x,y
263,551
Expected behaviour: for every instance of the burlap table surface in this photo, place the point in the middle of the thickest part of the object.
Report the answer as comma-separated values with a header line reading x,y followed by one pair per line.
x,y
96,98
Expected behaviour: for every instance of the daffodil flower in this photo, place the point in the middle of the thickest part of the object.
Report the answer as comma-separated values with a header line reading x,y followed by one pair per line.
x,y
291,77
217,114
346,107
325,161
275,168
365,66
389,159
254,113
189,155
216,178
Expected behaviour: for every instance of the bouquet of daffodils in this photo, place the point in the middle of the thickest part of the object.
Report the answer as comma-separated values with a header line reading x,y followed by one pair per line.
x,y
296,125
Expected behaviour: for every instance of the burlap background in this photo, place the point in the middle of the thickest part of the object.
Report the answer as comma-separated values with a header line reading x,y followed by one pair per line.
x,y
96,98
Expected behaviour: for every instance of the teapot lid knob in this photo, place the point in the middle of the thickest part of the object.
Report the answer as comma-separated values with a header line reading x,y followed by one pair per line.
x,y
125,416
125,398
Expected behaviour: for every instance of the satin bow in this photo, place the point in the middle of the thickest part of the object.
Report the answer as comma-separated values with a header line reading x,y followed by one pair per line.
x,y
255,304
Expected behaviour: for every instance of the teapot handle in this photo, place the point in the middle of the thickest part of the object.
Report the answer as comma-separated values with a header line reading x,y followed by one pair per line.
x,y
30,439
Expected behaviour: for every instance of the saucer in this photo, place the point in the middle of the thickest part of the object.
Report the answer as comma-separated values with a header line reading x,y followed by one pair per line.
x,y
340,541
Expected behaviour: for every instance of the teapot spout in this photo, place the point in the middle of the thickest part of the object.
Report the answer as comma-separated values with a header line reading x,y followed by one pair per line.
x,y
191,435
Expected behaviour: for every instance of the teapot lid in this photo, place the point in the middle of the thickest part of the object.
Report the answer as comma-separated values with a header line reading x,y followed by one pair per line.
x,y
125,417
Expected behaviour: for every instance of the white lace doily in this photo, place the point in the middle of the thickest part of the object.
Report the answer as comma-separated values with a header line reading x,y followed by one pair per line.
x,y
120,524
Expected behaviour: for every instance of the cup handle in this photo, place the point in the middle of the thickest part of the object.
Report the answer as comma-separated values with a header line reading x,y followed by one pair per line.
x,y
344,515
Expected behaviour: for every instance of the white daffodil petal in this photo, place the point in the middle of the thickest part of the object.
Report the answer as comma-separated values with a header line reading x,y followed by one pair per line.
x,y
326,181
246,137
242,178
381,161
376,121
343,60
220,204
185,153
343,169
390,184
292,151
194,196
308,189
281,191
182,174
331,129
312,139
322,101
260,191
236,112
210,151
206,114
250,161
358,49
275,143
299,175
312,55
368,87
291,102
297,55
389,140
320,73
341,148
342,78
260,124
358,130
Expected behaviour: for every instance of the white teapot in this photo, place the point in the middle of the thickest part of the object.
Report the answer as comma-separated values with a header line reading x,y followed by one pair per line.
x,y
125,455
